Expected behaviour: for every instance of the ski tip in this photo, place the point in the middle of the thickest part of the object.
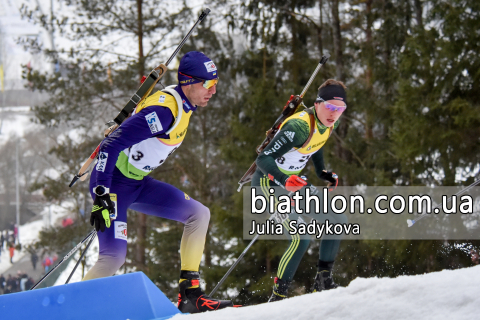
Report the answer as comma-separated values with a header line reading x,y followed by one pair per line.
x,y
410,222
237,305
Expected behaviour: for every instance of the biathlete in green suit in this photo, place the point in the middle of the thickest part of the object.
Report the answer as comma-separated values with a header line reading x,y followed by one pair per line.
x,y
280,164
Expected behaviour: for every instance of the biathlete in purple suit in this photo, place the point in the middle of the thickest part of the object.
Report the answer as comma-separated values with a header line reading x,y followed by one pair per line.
x,y
143,142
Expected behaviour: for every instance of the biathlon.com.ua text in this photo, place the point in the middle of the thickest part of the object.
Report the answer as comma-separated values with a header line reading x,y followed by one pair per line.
x,y
318,204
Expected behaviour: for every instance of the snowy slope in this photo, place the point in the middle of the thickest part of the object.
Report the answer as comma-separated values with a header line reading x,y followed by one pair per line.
x,y
449,295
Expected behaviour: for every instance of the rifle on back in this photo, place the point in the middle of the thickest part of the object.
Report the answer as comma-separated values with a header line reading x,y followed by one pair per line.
x,y
148,83
289,109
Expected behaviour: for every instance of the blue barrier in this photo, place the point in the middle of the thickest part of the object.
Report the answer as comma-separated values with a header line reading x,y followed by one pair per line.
x,y
130,296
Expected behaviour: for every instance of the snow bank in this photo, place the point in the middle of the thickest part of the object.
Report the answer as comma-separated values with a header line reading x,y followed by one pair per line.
x,y
449,295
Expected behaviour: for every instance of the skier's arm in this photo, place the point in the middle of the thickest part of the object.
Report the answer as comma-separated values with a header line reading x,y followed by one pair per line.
x,y
279,146
132,131
318,163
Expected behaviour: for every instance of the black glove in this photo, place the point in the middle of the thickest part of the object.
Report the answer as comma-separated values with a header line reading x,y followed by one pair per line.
x,y
102,207
330,177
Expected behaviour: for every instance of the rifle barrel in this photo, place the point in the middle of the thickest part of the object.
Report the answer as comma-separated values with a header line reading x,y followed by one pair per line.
x,y
323,60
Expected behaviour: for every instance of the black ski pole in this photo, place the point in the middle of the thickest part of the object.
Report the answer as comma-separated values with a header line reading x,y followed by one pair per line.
x,y
411,222
81,257
234,265
180,45
155,75
65,258
279,217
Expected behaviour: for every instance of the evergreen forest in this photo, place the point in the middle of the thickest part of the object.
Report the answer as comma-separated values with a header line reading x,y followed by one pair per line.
x,y
412,71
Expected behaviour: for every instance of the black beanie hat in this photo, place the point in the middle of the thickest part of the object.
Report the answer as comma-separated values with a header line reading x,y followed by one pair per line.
x,y
332,92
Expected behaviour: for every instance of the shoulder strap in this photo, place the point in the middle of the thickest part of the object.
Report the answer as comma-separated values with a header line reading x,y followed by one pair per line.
x,y
312,126
174,93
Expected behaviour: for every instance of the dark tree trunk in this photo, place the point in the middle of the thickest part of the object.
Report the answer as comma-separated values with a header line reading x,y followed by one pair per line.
x,y
369,58
141,58
337,41
342,129
141,218
320,28
418,13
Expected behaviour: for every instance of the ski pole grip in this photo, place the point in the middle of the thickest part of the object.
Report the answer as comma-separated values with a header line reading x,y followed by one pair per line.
x,y
204,14
324,59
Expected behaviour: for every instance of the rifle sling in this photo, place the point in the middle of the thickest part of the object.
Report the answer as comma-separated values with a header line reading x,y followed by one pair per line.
x,y
312,126
150,81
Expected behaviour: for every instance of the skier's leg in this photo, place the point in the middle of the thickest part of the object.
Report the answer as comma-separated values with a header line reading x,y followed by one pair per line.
x,y
293,254
330,243
327,253
113,242
289,262
297,247
163,200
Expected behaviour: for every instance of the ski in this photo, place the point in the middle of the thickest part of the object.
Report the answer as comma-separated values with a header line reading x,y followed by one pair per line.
x,y
289,109
148,83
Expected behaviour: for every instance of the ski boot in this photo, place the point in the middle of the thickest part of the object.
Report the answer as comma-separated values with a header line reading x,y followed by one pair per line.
x,y
323,279
191,299
280,290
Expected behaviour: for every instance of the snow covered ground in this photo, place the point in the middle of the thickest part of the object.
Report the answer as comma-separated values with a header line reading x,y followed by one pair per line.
x,y
449,295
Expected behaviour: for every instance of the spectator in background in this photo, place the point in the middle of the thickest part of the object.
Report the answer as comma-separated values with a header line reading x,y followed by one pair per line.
x,y
8,285
67,222
12,252
22,279
12,229
47,262
10,237
475,256
29,284
2,240
34,259
2,284
12,285
15,233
